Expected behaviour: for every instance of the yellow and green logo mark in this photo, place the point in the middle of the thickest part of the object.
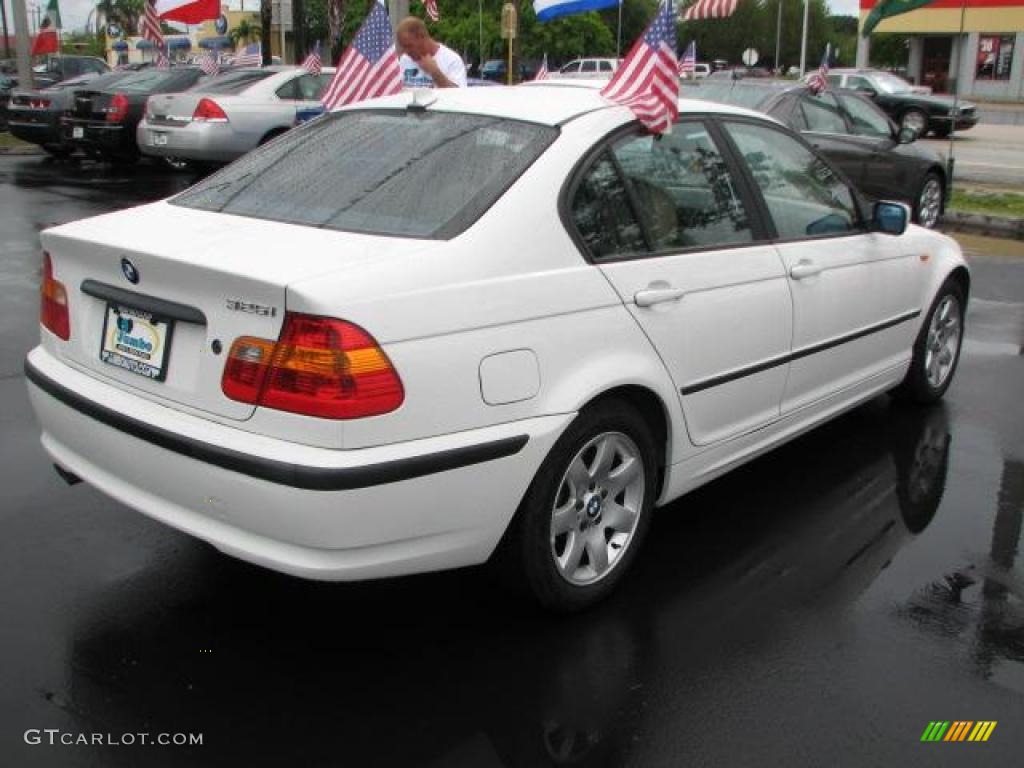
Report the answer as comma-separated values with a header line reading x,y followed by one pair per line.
x,y
959,730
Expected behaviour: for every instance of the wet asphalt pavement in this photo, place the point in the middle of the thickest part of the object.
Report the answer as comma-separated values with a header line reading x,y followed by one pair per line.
x,y
818,607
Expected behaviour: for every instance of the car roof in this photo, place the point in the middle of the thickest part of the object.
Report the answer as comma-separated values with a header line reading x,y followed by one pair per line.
x,y
538,102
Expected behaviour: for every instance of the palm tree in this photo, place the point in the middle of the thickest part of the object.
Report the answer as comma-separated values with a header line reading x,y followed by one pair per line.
x,y
245,31
124,13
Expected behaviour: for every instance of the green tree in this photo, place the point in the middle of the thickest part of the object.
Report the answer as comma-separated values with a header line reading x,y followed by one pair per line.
x,y
889,51
245,32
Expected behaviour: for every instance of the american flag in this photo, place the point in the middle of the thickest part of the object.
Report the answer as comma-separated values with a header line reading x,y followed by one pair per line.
x,y
818,81
369,67
647,81
542,73
688,63
710,9
431,8
251,56
313,63
209,64
149,25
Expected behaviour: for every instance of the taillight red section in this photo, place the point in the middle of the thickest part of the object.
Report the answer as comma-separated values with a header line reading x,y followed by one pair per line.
x,y
118,109
320,366
53,305
209,110
39,103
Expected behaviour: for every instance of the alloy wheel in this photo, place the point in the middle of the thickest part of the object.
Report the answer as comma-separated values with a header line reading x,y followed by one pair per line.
x,y
943,342
930,203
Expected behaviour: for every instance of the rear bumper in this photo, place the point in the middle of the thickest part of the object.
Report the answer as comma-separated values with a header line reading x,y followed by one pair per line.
x,y
318,513
113,138
36,130
203,142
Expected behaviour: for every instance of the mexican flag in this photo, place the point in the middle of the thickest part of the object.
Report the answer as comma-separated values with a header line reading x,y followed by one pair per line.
x,y
47,40
885,8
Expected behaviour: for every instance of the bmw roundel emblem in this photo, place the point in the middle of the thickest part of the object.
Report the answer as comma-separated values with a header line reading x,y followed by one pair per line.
x,y
131,274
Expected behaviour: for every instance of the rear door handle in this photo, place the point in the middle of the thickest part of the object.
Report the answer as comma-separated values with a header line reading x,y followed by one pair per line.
x,y
652,296
804,269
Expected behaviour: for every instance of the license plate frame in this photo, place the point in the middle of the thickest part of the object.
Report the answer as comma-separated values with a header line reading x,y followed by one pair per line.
x,y
145,328
77,132
158,139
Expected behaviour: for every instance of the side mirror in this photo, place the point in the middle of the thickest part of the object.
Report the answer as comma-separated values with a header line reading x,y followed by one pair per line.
x,y
906,135
890,218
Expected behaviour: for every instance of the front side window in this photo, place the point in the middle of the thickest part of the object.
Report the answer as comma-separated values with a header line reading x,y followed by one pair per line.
x,y
387,172
821,114
804,196
572,66
868,120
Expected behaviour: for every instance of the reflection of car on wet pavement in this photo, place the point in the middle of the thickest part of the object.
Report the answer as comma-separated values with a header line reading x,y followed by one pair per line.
x,y
507,320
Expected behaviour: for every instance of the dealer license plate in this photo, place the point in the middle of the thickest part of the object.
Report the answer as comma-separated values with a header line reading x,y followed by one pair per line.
x,y
77,132
137,341
158,139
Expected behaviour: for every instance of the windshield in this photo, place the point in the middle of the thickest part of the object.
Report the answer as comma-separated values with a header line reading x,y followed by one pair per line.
x,y
891,83
388,172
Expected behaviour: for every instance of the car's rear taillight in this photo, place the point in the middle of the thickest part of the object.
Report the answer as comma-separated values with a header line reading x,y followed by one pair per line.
x,y
39,103
118,109
319,366
209,111
53,304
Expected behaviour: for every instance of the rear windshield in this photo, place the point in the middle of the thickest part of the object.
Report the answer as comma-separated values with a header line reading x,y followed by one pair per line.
x,y
147,80
737,95
232,82
425,174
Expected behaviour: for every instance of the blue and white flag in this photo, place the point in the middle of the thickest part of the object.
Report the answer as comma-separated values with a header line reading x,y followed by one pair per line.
x,y
552,9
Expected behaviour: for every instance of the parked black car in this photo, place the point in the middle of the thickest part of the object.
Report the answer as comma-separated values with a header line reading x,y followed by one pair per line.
x,y
909,106
52,71
35,115
496,70
852,132
102,121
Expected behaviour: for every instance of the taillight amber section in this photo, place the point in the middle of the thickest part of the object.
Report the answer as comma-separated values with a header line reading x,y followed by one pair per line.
x,y
53,304
320,366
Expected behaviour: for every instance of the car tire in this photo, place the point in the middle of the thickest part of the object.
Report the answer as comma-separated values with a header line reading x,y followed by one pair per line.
x,y
916,120
585,515
937,348
942,133
930,199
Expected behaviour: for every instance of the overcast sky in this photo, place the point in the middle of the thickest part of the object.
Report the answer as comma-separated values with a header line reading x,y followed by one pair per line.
x,y
74,12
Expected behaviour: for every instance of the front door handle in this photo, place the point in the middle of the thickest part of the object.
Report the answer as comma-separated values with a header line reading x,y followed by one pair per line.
x,y
652,296
804,269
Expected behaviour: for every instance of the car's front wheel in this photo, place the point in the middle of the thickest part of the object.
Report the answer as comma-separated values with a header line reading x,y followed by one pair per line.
x,y
916,120
587,510
937,349
929,201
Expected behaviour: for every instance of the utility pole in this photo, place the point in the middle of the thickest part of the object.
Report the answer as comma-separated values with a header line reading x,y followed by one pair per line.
x,y
778,38
397,10
803,41
22,44
7,44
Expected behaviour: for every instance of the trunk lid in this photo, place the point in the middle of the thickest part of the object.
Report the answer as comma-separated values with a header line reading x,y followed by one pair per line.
x,y
215,276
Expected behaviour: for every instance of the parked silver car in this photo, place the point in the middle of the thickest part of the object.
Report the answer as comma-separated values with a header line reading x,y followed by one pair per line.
x,y
223,118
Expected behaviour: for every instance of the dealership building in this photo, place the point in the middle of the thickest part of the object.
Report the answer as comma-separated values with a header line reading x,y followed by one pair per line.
x,y
985,61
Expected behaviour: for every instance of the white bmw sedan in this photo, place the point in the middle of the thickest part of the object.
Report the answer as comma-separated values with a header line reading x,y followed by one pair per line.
x,y
503,325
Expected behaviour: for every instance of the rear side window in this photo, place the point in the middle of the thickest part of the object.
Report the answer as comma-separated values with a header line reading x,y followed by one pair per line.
x,y
233,82
382,172
868,120
821,116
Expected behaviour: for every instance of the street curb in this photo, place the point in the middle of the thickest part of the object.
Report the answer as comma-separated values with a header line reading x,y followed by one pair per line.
x,y
984,224
32,150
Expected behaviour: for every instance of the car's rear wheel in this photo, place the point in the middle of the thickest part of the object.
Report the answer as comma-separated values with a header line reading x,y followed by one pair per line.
x,y
587,510
937,349
929,201
916,120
